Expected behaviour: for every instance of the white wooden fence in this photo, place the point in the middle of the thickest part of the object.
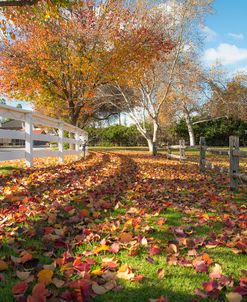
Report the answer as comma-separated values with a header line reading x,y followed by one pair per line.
x,y
30,118
234,154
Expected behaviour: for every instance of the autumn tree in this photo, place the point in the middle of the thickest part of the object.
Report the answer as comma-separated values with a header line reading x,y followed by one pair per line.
x,y
152,88
228,98
187,96
17,3
59,62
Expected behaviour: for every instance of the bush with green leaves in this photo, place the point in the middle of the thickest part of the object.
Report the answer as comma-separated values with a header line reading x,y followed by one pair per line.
x,y
216,132
116,135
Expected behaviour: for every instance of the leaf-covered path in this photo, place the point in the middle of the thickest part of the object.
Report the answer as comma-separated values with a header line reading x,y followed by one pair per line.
x,y
121,226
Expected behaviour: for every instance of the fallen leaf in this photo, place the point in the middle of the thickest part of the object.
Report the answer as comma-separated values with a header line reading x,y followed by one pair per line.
x,y
234,297
101,248
154,250
19,288
57,282
125,237
23,275
25,256
39,293
138,278
161,273
98,289
3,265
216,272
45,276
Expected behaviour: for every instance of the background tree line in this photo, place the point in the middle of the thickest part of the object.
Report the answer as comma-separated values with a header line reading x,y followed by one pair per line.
x,y
216,132
85,61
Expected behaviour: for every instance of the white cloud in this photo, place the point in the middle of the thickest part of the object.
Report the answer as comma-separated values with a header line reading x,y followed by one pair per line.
x,y
225,54
209,33
236,36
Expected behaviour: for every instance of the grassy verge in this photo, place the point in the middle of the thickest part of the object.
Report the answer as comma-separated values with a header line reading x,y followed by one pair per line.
x,y
8,169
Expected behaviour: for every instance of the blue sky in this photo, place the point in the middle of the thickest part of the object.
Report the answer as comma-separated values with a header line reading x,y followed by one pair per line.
x,y
226,31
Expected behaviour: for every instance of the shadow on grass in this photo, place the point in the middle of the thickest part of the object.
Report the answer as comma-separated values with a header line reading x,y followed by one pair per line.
x,y
151,290
63,172
111,189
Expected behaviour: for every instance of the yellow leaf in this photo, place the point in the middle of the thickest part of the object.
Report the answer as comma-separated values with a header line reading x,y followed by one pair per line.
x,y
101,248
97,272
123,268
45,276
205,216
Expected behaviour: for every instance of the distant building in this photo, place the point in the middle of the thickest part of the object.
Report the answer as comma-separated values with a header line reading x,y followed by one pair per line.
x,y
18,126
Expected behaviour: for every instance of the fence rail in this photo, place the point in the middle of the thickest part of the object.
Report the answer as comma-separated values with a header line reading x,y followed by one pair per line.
x,y
78,137
233,153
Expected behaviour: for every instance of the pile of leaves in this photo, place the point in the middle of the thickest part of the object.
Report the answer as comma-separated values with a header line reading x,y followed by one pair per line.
x,y
109,227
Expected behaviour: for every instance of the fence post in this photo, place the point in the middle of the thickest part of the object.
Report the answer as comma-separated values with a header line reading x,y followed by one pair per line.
x,y
77,144
169,151
234,161
84,149
86,141
29,139
182,149
61,142
202,154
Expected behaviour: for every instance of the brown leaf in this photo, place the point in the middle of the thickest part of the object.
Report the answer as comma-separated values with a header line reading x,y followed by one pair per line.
x,y
3,265
23,275
161,273
172,248
125,237
57,282
98,289
234,297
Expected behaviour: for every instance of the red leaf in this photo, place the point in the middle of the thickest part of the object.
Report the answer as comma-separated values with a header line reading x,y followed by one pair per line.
x,y
19,288
154,250
114,248
210,285
39,293
201,267
138,278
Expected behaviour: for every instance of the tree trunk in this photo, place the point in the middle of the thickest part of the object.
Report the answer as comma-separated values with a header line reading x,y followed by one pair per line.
x,y
151,146
155,133
190,130
152,143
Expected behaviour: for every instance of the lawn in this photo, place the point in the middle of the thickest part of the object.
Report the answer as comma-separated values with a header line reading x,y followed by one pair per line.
x,y
121,226
8,169
192,154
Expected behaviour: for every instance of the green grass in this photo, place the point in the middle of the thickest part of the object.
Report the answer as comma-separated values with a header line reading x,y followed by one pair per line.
x,y
179,283
9,169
